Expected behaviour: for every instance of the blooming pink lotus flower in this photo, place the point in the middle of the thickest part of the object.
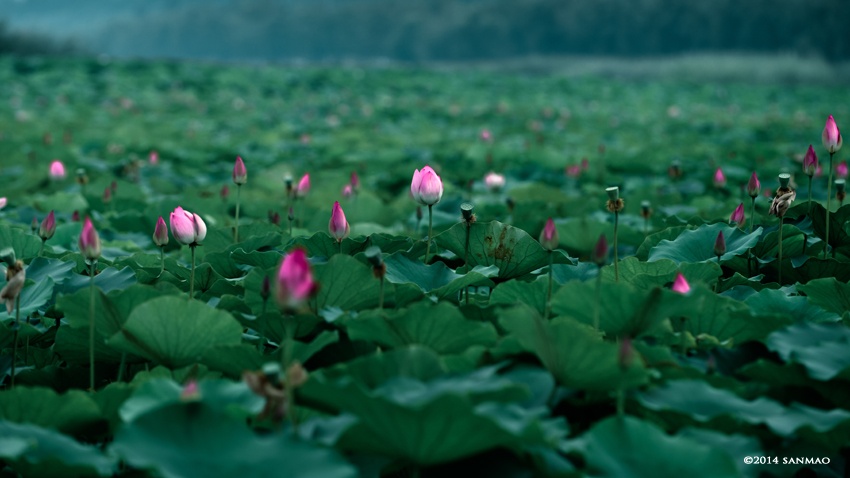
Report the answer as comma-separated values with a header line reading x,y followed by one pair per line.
x,y
48,227
494,181
681,285
89,242
303,186
240,174
737,216
338,226
720,244
719,178
160,233
753,186
294,280
3,202
57,169
831,136
810,162
486,135
186,227
573,170
549,235
426,187
841,170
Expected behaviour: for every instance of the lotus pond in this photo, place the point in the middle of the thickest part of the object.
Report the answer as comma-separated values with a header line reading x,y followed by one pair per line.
x,y
361,346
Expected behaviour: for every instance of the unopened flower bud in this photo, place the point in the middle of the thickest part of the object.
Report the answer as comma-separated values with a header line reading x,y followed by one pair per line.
x,y
48,226
753,186
720,244
549,236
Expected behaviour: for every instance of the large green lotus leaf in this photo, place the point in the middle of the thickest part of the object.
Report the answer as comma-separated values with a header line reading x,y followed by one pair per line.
x,y
414,362
224,264
194,439
652,240
571,351
33,297
321,244
698,245
563,273
245,258
232,360
734,445
41,268
712,315
837,219
175,332
73,412
7,335
66,237
795,375
813,268
110,399
793,240
26,245
107,280
35,451
512,292
148,268
255,236
512,250
437,421
440,327
253,284
771,301
702,402
221,395
436,278
646,275
348,284
72,346
625,447
828,293
623,310
824,349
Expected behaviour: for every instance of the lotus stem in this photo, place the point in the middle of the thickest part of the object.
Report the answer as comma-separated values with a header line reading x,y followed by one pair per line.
x,y
616,260
810,197
781,222
381,295
161,260
15,339
92,266
238,201
598,308
121,366
753,213
621,402
430,230
682,339
828,205
41,249
192,275
549,294
466,257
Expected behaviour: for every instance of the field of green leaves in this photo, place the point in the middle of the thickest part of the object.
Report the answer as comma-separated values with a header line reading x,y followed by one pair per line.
x,y
669,327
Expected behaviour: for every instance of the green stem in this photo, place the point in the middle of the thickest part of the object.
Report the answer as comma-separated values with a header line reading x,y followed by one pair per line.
x,y
621,402
262,328
430,229
121,366
682,338
781,221
466,256
616,260
752,215
810,197
92,266
161,260
238,201
598,307
549,294
15,339
192,275
381,295
828,205
41,249
286,358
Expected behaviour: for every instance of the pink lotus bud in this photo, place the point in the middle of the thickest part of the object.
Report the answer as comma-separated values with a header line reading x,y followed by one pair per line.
x,y
34,225
493,181
240,174
600,252
719,178
303,186
426,187
737,216
549,235
831,136
486,135
89,242
224,193
573,170
338,226
48,227
720,244
585,165
186,227
107,195
810,162
57,170
160,233
75,216
294,280
680,285
753,186
153,158
347,191
3,202
190,392
355,181
841,170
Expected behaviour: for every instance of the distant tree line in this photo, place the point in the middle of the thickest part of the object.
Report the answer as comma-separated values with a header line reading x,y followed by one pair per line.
x,y
416,30
19,43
